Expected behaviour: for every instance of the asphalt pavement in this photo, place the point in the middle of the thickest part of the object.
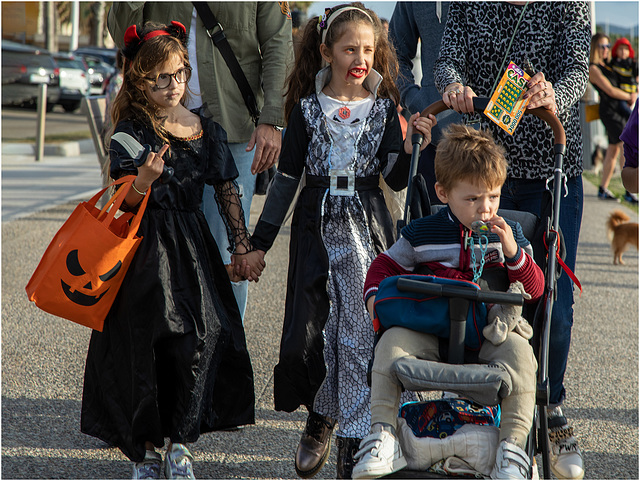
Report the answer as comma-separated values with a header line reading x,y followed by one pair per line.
x,y
43,356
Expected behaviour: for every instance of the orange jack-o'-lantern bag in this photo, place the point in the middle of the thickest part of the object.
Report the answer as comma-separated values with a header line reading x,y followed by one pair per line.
x,y
81,271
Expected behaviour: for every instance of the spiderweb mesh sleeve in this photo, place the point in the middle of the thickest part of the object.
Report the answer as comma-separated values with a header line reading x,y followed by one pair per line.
x,y
232,214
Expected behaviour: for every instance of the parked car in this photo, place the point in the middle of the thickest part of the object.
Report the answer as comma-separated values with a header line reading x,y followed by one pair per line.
x,y
100,72
107,55
74,80
24,69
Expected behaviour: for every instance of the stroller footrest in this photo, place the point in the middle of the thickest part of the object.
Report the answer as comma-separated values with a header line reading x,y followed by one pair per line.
x,y
485,384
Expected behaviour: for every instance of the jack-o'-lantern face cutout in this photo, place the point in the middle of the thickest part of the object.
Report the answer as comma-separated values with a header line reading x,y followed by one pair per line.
x,y
88,294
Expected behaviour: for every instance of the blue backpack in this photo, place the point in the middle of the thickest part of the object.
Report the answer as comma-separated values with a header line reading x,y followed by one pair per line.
x,y
427,314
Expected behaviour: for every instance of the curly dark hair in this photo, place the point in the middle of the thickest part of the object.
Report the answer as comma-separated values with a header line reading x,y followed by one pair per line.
x,y
301,80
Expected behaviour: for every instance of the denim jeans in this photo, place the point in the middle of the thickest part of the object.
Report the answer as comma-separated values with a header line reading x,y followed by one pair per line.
x,y
526,195
246,182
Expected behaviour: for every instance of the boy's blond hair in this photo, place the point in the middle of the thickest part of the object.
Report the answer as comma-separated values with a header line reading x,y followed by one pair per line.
x,y
467,154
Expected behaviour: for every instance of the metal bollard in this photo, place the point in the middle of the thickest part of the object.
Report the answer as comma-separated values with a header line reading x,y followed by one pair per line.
x,y
42,110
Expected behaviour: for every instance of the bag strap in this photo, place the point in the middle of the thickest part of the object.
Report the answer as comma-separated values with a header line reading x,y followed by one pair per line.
x,y
110,208
219,39
114,204
504,60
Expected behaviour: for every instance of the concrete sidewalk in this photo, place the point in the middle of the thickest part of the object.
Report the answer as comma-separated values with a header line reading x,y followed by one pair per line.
x,y
29,186
43,358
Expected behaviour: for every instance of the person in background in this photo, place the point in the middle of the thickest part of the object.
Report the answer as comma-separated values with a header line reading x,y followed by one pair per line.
x,y
629,136
259,34
478,42
625,66
605,81
413,25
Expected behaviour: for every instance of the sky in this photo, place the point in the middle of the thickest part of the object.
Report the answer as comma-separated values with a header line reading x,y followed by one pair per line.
x,y
622,14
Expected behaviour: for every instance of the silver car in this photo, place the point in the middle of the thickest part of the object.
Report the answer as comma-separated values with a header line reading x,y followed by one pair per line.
x,y
74,80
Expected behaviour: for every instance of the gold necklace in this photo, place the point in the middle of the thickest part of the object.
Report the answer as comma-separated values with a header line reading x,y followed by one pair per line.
x,y
343,112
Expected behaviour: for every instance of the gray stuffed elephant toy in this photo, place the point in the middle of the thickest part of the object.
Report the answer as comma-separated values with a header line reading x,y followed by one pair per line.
x,y
504,318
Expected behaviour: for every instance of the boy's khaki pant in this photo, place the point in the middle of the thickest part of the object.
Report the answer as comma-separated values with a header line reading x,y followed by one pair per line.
x,y
515,354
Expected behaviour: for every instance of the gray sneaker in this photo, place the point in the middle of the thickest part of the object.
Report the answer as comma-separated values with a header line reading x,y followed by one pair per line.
x,y
178,462
149,467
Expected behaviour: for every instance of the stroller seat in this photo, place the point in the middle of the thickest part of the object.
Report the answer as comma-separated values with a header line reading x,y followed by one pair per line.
x,y
484,384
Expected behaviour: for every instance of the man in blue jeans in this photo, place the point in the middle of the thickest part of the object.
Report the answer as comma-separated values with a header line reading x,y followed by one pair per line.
x,y
259,34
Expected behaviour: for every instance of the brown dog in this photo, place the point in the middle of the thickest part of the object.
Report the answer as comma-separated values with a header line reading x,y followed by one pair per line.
x,y
621,232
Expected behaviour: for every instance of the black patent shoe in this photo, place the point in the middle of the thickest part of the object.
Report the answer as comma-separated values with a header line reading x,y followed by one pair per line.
x,y
315,445
347,448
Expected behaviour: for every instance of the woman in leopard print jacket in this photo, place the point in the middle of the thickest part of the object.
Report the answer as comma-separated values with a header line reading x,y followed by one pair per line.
x,y
553,37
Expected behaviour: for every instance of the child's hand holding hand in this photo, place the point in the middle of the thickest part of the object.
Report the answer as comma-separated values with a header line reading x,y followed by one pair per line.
x,y
422,125
502,229
248,265
151,169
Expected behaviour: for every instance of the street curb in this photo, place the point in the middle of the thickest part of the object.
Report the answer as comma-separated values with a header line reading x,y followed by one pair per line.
x,y
64,149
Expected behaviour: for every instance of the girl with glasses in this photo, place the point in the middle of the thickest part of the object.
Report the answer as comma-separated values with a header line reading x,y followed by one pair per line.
x,y
173,350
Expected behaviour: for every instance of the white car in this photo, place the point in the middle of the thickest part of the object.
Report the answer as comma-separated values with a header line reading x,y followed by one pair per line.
x,y
74,81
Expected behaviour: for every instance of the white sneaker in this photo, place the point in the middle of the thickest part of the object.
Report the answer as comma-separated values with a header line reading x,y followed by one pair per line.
x,y
149,467
565,456
178,462
380,454
511,462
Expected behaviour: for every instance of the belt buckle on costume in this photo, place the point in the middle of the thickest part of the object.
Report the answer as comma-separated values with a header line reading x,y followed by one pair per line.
x,y
342,182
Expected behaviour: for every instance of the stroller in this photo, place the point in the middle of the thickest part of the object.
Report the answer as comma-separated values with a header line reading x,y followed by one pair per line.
x,y
483,384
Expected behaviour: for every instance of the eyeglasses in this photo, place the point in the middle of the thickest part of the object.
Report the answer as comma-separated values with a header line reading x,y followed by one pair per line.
x,y
606,45
163,80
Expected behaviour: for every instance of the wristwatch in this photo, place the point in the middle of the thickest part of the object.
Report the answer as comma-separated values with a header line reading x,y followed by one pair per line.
x,y
278,128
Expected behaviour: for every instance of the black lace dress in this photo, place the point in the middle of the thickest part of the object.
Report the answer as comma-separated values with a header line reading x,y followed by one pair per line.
x,y
172,359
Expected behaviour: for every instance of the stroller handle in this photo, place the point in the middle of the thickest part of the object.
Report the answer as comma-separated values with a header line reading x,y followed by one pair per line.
x,y
480,103
460,292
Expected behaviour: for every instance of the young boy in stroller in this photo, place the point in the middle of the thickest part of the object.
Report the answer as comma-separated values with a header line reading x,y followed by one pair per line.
x,y
470,170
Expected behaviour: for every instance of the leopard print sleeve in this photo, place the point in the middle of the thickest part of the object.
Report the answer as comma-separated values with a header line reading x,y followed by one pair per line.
x,y
574,57
554,37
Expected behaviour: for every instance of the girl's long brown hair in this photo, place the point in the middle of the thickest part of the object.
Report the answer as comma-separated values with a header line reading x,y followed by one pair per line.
x,y
131,102
301,80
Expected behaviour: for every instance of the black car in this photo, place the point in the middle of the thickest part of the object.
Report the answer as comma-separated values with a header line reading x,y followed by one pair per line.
x,y
24,69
